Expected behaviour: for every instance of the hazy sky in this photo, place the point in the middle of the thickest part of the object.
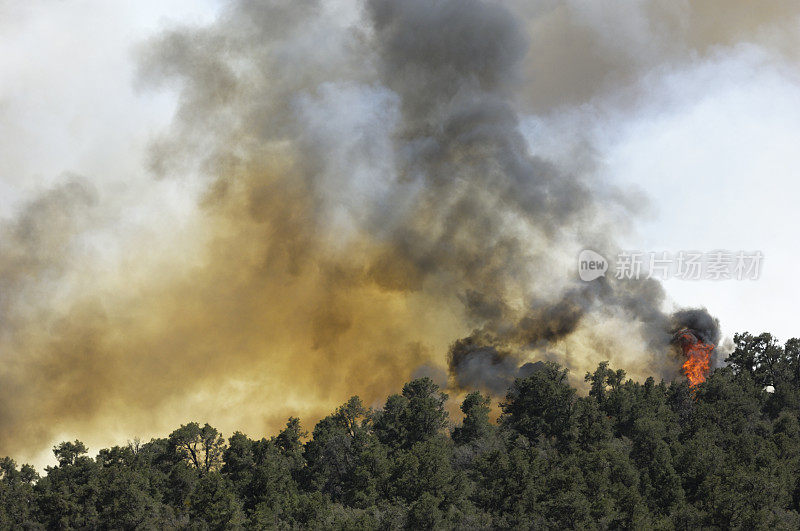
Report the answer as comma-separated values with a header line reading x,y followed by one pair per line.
x,y
695,114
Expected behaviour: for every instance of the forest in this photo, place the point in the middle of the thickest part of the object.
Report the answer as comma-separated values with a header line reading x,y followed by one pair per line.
x,y
657,455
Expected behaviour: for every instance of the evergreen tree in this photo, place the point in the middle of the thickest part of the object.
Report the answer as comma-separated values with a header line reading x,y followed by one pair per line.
x,y
622,454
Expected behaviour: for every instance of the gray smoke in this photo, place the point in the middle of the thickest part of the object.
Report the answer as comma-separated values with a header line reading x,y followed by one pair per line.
x,y
454,65
703,325
369,201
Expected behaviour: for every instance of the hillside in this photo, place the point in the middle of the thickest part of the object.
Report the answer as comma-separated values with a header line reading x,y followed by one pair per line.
x,y
724,453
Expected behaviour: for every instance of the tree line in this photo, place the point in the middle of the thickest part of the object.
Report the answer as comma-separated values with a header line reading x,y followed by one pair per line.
x,y
655,455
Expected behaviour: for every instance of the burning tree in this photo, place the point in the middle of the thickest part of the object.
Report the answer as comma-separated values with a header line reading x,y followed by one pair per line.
x,y
698,355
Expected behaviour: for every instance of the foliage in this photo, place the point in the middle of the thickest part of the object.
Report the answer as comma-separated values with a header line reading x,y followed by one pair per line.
x,y
626,455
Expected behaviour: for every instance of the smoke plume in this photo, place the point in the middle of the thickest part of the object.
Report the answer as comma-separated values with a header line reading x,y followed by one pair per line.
x,y
365,204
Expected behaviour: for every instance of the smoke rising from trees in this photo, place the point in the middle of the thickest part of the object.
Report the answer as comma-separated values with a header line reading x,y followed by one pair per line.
x,y
368,204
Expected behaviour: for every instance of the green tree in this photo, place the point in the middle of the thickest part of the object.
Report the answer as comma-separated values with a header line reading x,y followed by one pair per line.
x,y
17,495
345,459
200,447
416,415
214,503
540,405
67,496
67,452
125,497
476,419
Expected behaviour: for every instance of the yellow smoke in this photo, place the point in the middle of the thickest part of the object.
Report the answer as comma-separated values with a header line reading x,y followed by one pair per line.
x,y
294,284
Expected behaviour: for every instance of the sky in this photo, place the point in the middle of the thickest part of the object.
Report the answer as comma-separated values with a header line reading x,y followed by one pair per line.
x,y
691,114
712,148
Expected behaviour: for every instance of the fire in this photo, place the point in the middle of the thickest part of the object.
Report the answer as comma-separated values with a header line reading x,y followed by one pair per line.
x,y
698,356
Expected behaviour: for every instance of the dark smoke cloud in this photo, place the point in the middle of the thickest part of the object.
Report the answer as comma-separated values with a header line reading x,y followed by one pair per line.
x,y
460,133
704,326
477,365
368,203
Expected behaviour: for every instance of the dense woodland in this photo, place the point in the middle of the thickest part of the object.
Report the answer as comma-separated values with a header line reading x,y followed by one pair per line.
x,y
630,454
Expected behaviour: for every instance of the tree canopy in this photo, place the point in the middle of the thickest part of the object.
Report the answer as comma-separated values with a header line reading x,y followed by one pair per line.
x,y
627,454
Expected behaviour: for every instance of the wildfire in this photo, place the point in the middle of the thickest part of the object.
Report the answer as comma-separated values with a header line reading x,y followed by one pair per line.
x,y
698,356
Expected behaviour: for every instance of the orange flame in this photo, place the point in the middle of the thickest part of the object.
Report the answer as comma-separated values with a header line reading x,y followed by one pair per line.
x,y
698,357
